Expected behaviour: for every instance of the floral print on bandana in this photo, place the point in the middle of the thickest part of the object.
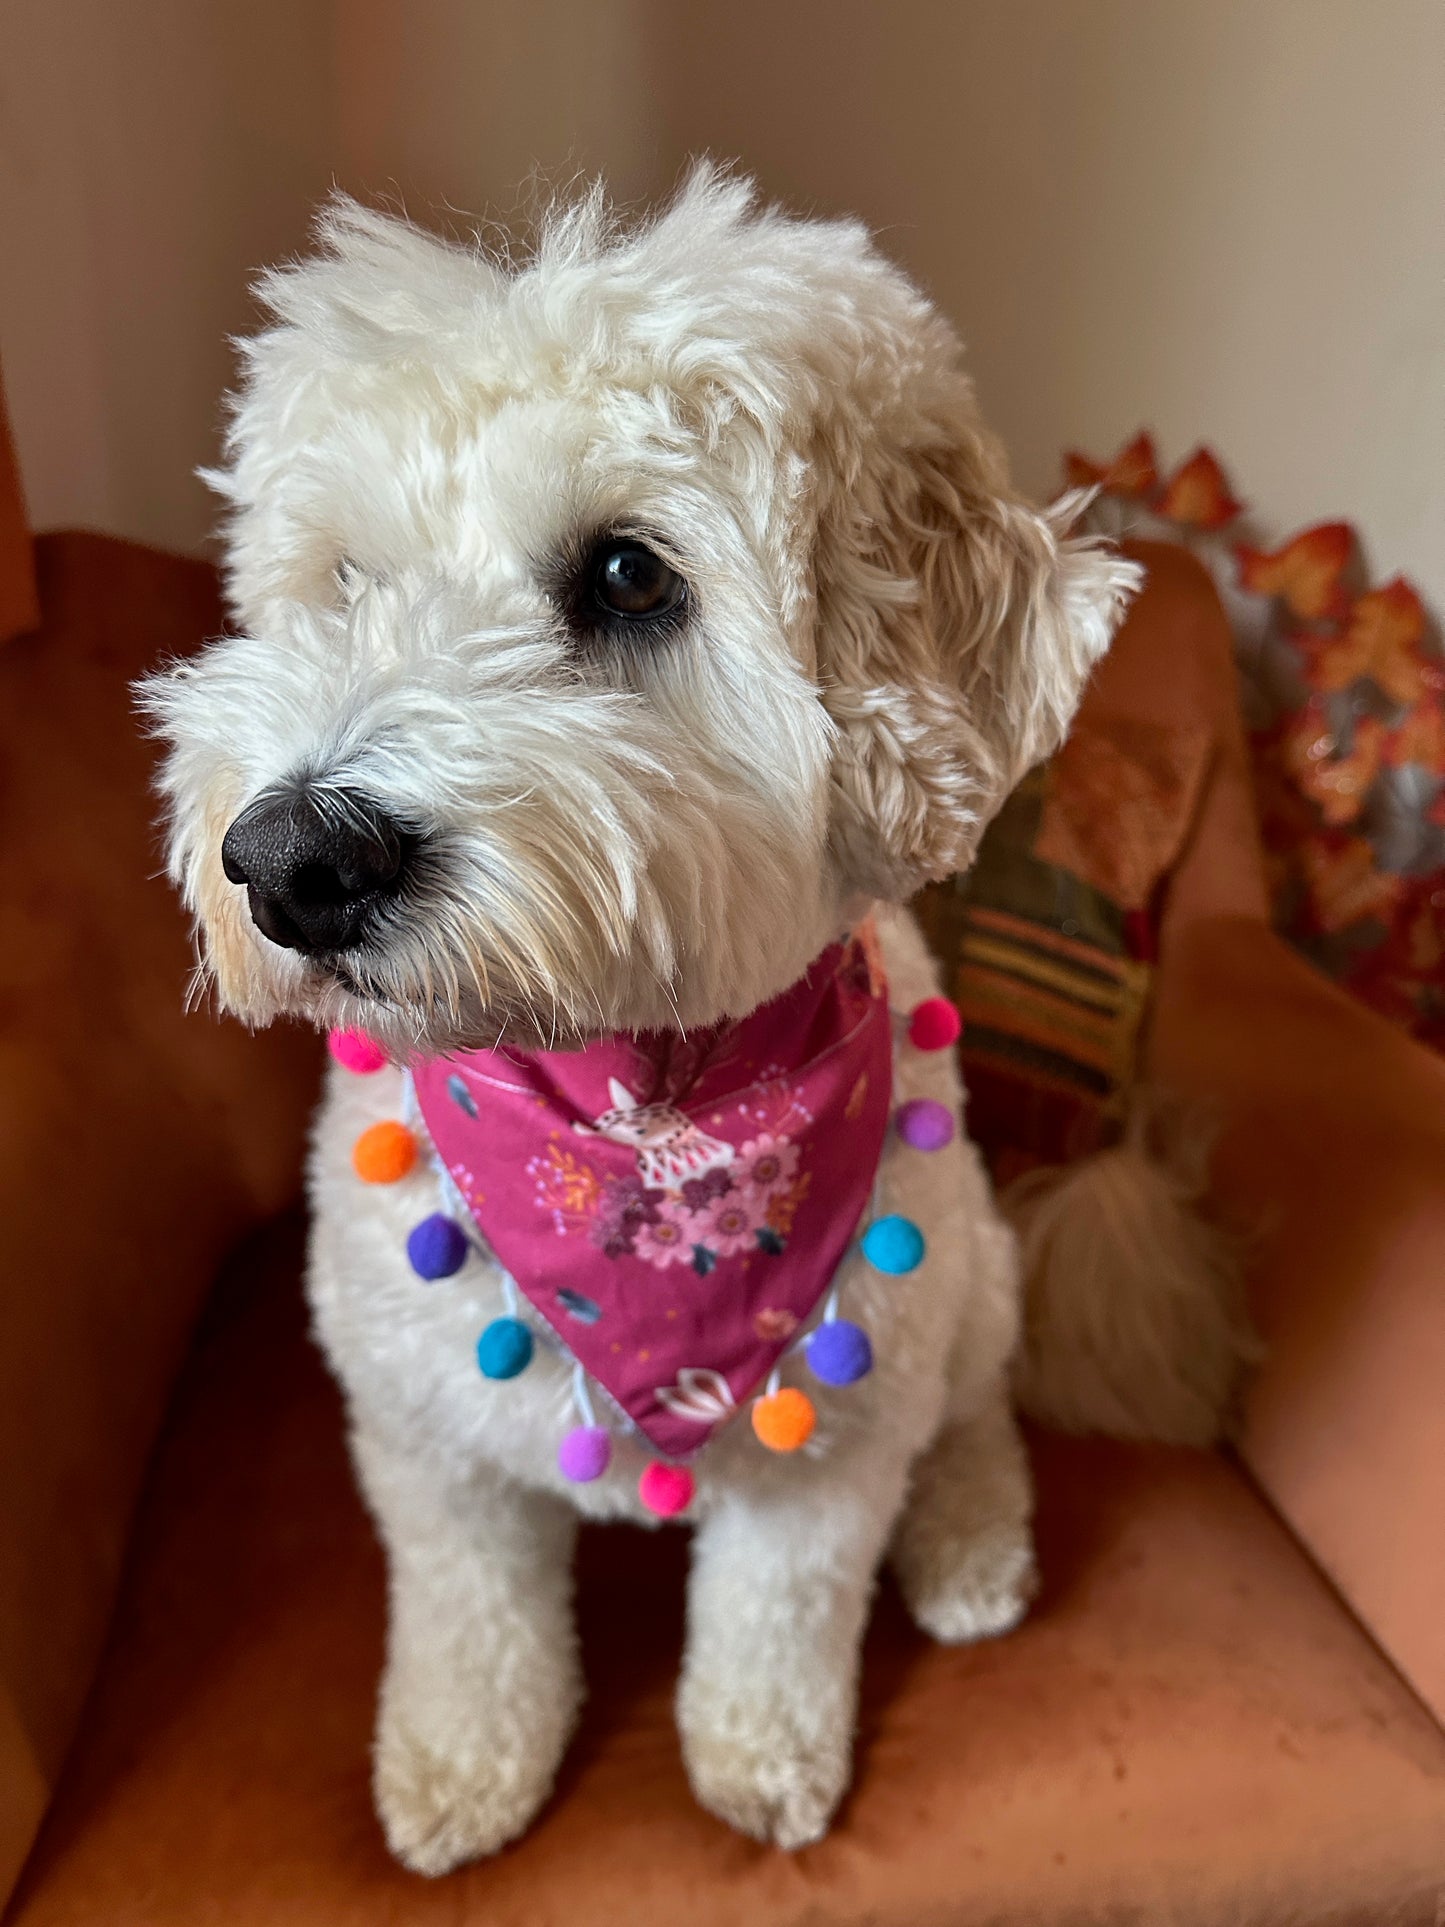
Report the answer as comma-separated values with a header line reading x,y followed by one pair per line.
x,y
744,1204
675,1208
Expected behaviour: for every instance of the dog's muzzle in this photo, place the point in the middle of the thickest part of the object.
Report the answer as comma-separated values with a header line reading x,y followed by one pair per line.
x,y
318,866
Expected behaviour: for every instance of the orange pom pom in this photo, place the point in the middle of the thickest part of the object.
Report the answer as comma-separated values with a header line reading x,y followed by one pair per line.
x,y
384,1153
784,1420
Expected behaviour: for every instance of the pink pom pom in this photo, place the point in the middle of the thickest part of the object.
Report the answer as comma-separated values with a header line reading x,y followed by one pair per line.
x,y
934,1024
665,1489
355,1051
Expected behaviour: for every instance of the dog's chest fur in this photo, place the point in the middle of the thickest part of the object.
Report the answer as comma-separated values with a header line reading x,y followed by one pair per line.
x,y
406,1350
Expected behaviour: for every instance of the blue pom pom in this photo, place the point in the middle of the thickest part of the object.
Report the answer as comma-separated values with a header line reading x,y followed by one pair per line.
x,y
894,1245
437,1247
839,1353
504,1348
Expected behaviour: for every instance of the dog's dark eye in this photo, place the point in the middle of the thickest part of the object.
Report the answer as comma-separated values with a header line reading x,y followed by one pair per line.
x,y
628,580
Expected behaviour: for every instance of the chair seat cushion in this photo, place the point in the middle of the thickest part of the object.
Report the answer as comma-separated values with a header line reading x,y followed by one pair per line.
x,y
1189,1728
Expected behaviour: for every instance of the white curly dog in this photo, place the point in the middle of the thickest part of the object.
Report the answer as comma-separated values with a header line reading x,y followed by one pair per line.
x,y
616,628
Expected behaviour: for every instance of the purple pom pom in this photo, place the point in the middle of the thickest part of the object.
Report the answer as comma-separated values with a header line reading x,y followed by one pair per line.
x,y
839,1353
437,1247
585,1453
924,1124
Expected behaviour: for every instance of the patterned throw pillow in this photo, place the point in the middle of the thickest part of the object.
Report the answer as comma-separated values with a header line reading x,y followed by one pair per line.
x,y
1048,942
1343,691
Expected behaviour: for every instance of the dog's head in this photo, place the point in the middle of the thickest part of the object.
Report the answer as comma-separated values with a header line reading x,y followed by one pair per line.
x,y
612,627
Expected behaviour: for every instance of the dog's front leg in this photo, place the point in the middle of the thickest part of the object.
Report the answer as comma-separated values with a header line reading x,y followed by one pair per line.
x,y
777,1600
483,1679
963,1550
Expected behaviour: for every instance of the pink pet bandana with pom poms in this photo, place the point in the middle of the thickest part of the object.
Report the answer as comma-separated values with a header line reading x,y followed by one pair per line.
x,y
674,1209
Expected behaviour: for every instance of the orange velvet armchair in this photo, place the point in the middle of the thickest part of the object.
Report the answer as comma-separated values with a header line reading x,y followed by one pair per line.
x,y
1216,1713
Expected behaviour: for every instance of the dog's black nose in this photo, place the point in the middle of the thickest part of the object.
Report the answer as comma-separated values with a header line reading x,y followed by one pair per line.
x,y
317,865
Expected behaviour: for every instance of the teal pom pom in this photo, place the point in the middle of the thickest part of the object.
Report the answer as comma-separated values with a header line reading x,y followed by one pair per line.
x,y
504,1348
894,1245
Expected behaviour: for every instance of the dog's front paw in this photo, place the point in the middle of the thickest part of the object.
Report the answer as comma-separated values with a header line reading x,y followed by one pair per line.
x,y
760,1774
958,1590
439,1809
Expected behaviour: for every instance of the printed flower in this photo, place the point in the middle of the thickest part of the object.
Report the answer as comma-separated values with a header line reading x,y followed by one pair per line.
x,y
783,1208
774,1325
698,1193
765,1163
728,1224
664,1242
614,1241
625,1208
567,1187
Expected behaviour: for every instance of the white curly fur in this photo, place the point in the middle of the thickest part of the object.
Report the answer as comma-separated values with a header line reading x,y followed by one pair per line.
x,y
881,638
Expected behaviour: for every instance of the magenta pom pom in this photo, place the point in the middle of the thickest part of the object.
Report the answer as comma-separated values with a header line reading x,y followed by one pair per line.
x,y
665,1489
585,1453
924,1124
934,1024
355,1051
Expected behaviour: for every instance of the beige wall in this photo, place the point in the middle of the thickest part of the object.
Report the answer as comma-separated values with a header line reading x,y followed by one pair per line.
x,y
152,152
1223,218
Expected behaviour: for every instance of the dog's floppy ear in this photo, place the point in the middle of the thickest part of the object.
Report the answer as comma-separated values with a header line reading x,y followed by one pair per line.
x,y
957,628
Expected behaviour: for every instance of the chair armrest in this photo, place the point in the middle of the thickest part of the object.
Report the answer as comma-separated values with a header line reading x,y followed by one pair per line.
x,y
137,1143
19,609
1332,1157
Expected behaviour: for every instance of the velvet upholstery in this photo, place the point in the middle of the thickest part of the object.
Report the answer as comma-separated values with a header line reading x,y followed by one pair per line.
x,y
1333,1155
19,604
138,1140
1187,1729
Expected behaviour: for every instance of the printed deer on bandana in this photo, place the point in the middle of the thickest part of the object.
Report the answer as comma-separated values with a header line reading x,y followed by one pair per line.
x,y
670,1148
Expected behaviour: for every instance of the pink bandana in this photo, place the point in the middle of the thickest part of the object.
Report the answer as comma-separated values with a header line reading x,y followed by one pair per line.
x,y
675,1209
